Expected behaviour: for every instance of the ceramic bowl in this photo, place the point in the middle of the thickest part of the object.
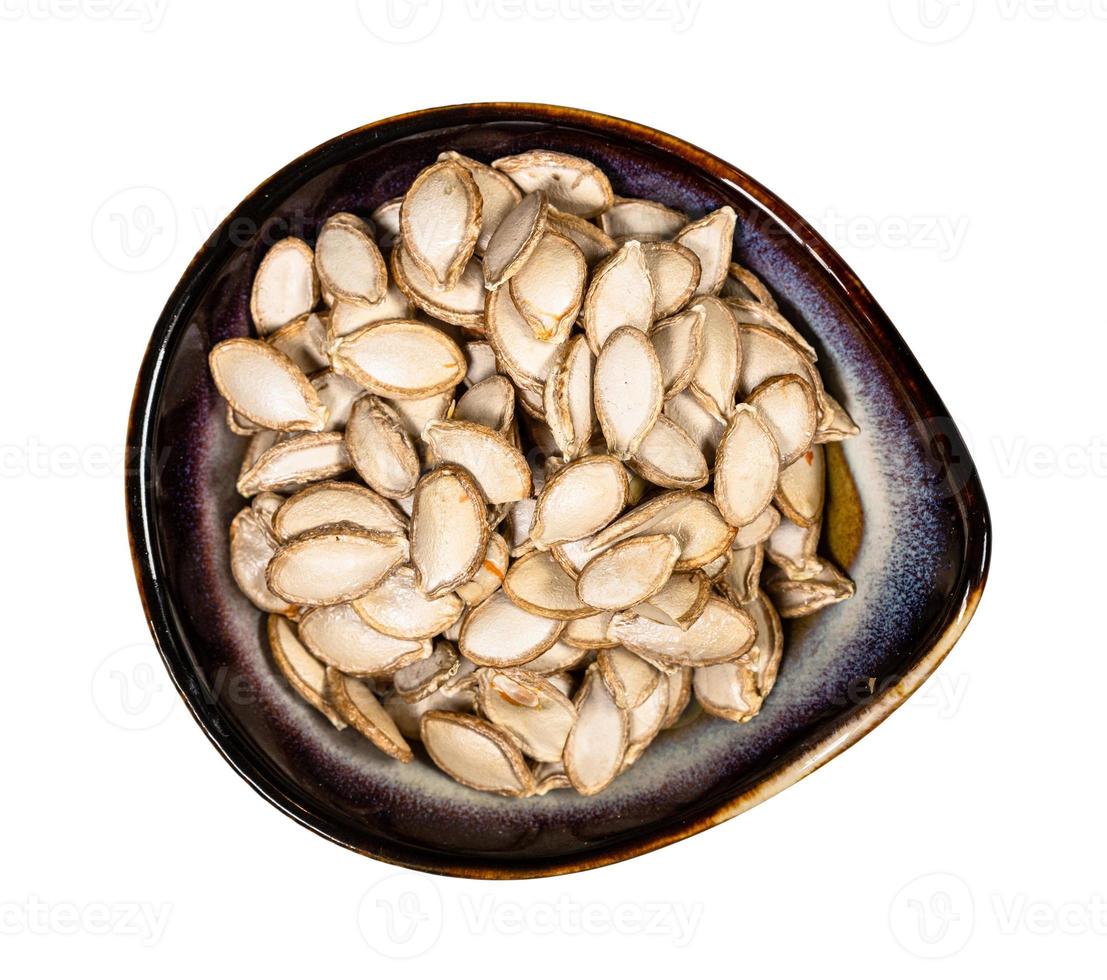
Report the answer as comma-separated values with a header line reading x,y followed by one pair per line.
x,y
907,519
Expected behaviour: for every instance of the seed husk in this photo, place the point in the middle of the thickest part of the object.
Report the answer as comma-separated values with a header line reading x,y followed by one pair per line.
x,y
482,361
381,450
787,404
801,597
680,602
415,413
440,221
668,457
768,648
637,218
678,342
498,195
747,467
349,263
520,354
590,633
758,530
498,633
728,690
628,572
675,271
792,548
461,304
739,579
333,564
834,423
689,515
304,342
645,721
476,753
742,284
711,238
573,185
802,488
628,677
490,575
331,502
680,694
515,239
251,550
306,675
285,286
397,607
490,403
557,659
715,380
499,468
295,461
722,633
620,294
698,424
339,637
597,744
540,720
567,398
400,359
359,708
538,584
748,312
386,220
265,386
338,394
346,317
766,354
449,530
580,499
422,678
628,390
548,289
593,242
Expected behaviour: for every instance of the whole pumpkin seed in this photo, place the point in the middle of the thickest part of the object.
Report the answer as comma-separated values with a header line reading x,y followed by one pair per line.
x,y
285,285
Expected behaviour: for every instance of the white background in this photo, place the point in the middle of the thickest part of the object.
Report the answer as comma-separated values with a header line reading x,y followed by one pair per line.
x,y
952,152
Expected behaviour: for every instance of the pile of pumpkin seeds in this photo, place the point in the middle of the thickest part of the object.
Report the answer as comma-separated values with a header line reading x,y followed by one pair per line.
x,y
519,450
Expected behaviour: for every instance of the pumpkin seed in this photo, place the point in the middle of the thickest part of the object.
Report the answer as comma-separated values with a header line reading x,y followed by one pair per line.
x,y
758,530
458,694
461,304
538,584
490,575
722,633
593,242
590,633
747,467
422,678
728,690
628,572
499,468
787,405
835,423
747,312
675,271
801,597
792,548
482,362
540,720
346,317
667,457
679,683
680,602
580,499
678,342
349,264
768,648
306,675
339,637
331,502
449,530
360,709
292,462
440,221
597,743
548,289
386,220
304,342
490,403
628,677
742,284
498,195
715,380
415,413
338,394
739,580
476,753
251,551
711,238
285,286
515,239
645,722
265,386
558,658
498,633
381,451
802,488
573,185
698,424
521,355
567,398
628,390
621,294
635,218
400,358
397,607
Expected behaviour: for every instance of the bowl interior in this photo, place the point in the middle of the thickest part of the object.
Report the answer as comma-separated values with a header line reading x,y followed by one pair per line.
x,y
906,520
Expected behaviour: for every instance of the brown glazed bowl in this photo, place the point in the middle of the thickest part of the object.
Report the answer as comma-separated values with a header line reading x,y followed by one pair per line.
x,y
907,519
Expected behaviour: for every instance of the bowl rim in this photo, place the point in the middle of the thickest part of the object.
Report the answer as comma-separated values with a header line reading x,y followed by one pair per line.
x,y
830,741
